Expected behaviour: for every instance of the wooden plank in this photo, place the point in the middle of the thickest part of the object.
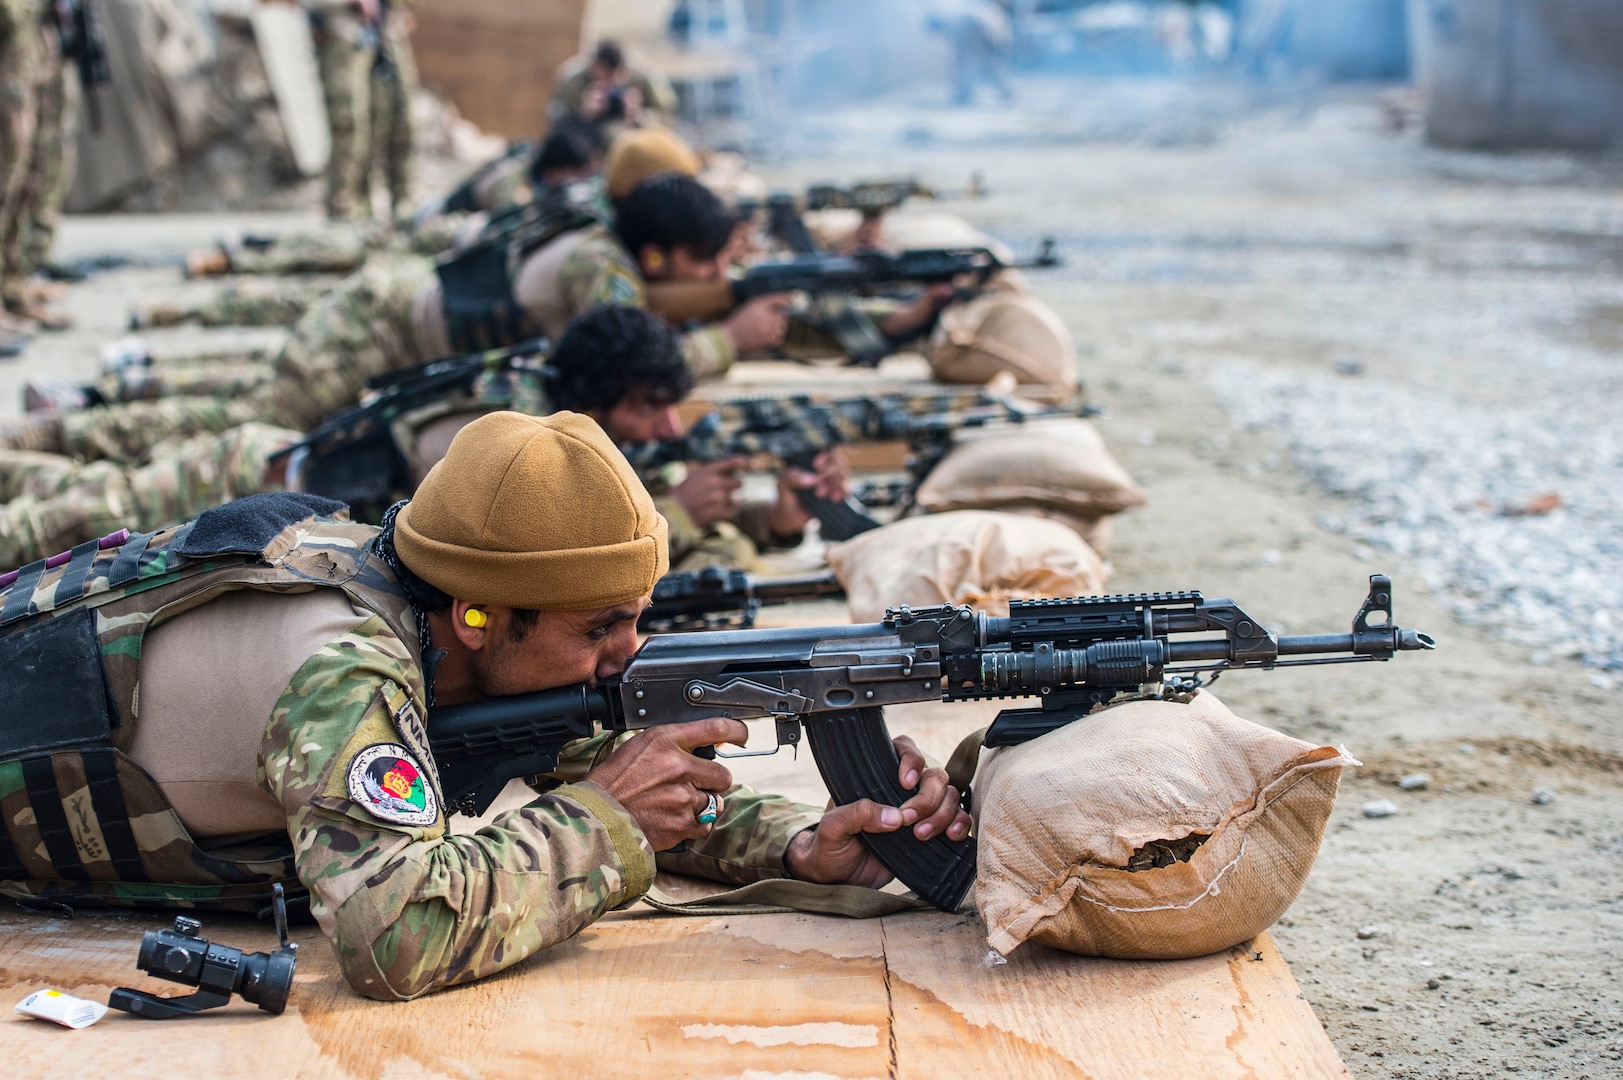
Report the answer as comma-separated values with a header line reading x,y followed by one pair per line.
x,y
641,994
1046,1013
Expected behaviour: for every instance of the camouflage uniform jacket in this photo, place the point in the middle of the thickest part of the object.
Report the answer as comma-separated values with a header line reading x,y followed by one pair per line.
x,y
600,272
409,907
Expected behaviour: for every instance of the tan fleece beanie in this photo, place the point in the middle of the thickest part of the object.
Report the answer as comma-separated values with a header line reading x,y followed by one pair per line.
x,y
638,153
534,512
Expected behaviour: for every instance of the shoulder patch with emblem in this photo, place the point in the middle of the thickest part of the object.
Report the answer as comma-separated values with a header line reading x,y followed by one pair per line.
x,y
386,781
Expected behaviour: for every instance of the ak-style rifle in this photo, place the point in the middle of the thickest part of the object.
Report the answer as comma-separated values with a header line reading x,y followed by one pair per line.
x,y
833,682
821,274
796,430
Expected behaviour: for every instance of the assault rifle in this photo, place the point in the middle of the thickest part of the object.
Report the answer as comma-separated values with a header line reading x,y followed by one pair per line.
x,y
821,274
834,681
718,598
796,430
872,198
355,457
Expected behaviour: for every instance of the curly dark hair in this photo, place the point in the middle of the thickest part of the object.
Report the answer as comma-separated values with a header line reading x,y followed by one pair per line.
x,y
610,353
565,148
671,210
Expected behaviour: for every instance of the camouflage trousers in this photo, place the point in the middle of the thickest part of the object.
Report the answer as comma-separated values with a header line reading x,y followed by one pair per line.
x,y
360,329
19,62
53,502
221,378
391,144
339,247
342,247
242,303
38,107
345,67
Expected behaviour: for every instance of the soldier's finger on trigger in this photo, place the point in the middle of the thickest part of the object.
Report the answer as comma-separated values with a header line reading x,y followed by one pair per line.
x,y
710,731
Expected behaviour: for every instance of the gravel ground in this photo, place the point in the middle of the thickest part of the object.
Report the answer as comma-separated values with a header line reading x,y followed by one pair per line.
x,y
1328,350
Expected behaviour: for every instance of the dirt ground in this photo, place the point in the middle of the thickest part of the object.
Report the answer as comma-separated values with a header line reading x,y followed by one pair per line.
x,y
1473,933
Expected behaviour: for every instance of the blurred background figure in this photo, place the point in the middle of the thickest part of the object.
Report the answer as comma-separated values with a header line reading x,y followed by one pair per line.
x,y
392,85
602,89
340,30
39,106
368,78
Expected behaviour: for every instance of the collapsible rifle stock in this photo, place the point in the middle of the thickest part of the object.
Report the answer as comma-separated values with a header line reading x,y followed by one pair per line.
x,y
833,682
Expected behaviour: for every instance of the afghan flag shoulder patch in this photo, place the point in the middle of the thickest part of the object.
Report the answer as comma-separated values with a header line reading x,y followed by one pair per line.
x,y
386,781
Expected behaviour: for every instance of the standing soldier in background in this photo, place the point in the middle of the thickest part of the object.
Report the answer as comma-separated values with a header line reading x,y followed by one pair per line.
x,y
38,123
340,29
608,93
393,84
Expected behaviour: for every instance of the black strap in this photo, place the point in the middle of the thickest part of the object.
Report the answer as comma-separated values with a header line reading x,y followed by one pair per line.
x,y
11,867
39,776
107,799
71,585
127,567
20,601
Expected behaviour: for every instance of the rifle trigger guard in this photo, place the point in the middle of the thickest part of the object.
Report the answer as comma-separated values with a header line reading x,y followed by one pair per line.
x,y
788,735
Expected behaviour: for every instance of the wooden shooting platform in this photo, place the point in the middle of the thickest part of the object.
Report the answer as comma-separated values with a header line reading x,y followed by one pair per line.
x,y
644,994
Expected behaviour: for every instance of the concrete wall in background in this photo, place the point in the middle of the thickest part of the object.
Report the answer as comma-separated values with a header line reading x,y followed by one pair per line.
x,y
1507,74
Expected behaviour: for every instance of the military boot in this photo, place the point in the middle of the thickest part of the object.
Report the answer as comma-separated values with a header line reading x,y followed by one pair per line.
x,y
150,315
36,431
60,396
208,262
32,308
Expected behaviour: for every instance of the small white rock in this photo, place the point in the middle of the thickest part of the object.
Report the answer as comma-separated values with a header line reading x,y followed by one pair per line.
x,y
1367,932
1379,808
1415,781
1269,557
1543,796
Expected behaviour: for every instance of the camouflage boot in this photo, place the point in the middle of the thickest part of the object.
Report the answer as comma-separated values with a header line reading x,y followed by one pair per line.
x,y
32,307
42,431
159,314
208,262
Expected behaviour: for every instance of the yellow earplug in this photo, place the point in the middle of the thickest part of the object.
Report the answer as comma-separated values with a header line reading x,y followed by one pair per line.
x,y
475,618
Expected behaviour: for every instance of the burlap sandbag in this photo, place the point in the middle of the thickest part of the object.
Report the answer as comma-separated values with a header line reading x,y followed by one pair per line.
x,y
1060,468
975,557
1060,818
998,331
